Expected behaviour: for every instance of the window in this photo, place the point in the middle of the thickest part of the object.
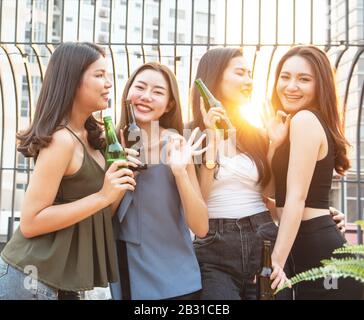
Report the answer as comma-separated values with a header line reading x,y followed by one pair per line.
x,y
21,186
24,85
69,19
40,4
106,3
24,107
202,18
36,85
39,32
181,14
28,32
31,55
180,37
200,39
22,164
104,26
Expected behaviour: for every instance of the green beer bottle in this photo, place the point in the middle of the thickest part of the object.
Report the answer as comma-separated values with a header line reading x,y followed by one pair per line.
x,y
114,151
210,101
264,290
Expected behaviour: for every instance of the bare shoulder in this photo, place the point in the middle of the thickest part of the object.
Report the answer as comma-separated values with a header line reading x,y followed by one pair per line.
x,y
305,119
64,137
58,153
63,143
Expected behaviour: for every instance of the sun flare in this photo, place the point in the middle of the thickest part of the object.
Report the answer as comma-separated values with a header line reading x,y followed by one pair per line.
x,y
252,114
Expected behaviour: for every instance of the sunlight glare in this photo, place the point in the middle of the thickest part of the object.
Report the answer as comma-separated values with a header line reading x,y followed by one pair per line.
x,y
251,113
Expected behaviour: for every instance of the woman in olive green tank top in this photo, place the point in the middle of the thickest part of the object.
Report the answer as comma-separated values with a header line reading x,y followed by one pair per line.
x,y
65,238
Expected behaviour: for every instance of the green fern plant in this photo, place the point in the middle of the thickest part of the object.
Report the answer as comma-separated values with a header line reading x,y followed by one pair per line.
x,y
336,267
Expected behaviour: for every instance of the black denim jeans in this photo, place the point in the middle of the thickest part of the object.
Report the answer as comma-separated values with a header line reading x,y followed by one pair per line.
x,y
230,256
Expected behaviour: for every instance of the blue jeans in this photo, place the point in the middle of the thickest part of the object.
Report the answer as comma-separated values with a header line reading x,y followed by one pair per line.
x,y
16,285
230,256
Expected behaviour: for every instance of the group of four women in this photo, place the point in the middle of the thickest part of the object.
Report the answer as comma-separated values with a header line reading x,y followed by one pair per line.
x,y
84,225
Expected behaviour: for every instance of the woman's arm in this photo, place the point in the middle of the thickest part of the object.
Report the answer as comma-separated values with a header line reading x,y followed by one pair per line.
x,y
277,128
206,176
194,206
268,190
180,156
271,206
39,215
306,137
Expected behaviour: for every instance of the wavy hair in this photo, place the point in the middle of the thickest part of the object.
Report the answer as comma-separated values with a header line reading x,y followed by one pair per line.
x,y
325,100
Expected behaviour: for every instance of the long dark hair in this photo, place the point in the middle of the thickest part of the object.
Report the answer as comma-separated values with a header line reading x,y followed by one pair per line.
x,y
325,100
63,76
169,120
250,140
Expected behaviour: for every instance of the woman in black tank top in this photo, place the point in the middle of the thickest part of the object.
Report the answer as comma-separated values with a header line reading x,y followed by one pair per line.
x,y
303,166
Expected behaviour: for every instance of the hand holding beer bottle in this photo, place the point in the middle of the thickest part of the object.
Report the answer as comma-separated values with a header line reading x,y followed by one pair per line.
x,y
133,135
114,150
118,178
215,108
264,290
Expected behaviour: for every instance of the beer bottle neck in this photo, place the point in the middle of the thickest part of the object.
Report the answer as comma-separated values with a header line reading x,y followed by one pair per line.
x,y
205,93
110,133
267,260
130,113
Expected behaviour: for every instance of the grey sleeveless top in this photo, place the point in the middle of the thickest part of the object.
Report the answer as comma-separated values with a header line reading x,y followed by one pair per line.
x,y
161,258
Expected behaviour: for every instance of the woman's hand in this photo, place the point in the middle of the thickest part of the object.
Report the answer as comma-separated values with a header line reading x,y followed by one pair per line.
x,y
339,218
180,153
117,181
276,124
214,115
278,276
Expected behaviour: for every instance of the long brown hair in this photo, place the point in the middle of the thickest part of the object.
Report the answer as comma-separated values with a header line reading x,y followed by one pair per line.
x,y
250,140
63,76
325,100
169,120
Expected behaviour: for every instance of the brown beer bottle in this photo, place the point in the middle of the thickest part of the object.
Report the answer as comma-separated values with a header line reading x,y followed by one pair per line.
x,y
133,135
264,290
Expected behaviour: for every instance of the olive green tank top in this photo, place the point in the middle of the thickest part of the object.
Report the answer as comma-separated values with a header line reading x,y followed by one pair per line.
x,y
78,257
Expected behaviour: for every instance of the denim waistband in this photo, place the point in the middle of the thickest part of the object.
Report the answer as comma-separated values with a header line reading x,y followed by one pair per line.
x,y
315,224
250,222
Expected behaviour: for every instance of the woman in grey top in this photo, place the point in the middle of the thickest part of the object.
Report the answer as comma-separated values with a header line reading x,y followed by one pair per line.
x,y
153,221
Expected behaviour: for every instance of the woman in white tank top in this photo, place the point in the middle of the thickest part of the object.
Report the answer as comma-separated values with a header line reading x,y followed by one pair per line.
x,y
232,178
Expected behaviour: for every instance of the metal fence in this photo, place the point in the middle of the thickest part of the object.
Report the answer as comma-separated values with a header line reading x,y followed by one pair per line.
x,y
175,33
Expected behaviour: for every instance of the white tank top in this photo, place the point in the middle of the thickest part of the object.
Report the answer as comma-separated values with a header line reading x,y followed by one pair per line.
x,y
235,193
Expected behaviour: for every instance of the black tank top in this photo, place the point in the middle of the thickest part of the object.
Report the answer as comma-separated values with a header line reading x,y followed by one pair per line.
x,y
318,192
